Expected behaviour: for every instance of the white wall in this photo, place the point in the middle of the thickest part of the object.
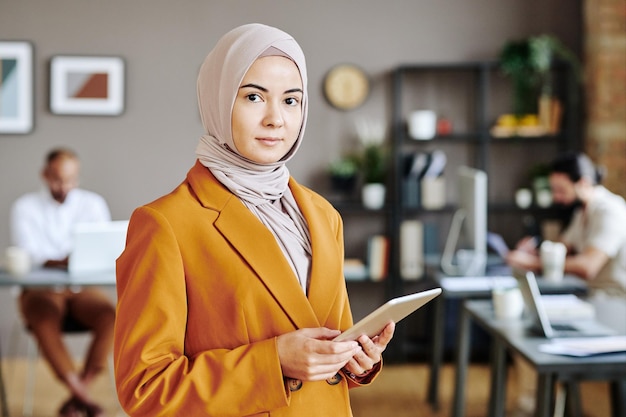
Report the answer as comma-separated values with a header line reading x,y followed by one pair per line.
x,y
136,157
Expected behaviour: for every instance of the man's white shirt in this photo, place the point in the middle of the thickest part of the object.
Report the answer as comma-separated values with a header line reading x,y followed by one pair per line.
x,y
44,227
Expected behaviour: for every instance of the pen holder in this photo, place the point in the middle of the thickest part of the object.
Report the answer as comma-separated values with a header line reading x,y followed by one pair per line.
x,y
433,193
411,192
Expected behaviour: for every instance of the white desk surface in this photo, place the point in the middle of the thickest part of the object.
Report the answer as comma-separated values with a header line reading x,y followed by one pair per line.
x,y
46,277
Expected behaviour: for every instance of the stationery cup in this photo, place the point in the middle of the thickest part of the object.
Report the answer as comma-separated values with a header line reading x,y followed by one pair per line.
x,y
552,256
433,193
508,303
17,261
423,124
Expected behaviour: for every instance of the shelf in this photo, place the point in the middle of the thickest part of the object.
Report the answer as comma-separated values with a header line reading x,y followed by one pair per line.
x,y
549,212
451,66
453,137
420,210
525,140
471,95
353,206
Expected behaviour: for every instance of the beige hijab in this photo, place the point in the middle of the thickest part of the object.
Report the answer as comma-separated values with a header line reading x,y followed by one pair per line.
x,y
263,188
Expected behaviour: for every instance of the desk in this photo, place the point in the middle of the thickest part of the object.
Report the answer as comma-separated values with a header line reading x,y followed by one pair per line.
x,y
513,334
4,407
462,288
56,277
48,278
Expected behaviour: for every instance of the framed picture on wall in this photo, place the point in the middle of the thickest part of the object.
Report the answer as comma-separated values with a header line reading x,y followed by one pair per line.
x,y
87,85
16,87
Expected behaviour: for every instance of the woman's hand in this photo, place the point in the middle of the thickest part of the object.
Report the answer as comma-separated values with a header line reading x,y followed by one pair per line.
x,y
311,355
363,362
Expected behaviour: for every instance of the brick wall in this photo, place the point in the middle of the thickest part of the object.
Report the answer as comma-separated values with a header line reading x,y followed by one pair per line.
x,y
605,88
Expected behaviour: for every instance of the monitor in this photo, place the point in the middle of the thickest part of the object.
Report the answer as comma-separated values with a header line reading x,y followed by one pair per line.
x,y
467,239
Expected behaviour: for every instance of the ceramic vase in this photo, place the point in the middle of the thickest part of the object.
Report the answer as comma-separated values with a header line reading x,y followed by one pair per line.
x,y
373,196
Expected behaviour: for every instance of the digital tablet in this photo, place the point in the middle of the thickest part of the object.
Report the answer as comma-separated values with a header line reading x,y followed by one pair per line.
x,y
393,310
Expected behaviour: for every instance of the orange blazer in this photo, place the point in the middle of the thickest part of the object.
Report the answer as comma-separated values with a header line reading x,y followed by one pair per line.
x,y
204,289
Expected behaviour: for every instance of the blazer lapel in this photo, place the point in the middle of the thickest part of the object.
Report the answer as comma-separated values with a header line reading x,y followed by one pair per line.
x,y
256,244
326,259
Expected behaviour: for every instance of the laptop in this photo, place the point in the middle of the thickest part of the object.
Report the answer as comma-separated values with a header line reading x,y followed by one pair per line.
x,y
96,247
541,325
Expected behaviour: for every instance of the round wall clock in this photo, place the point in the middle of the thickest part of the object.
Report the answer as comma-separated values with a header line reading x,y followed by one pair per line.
x,y
346,86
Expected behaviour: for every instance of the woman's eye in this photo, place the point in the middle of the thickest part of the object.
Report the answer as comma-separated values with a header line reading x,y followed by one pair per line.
x,y
292,101
253,97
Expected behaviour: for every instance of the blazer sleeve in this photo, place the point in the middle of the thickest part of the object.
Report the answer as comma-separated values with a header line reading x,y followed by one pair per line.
x,y
154,376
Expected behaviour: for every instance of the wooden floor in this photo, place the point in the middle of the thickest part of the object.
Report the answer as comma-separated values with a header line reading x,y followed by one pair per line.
x,y
400,391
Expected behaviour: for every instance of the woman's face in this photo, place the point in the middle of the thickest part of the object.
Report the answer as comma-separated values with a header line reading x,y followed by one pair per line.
x,y
267,113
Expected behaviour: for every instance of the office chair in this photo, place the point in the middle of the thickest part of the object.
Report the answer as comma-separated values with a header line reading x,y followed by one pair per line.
x,y
69,327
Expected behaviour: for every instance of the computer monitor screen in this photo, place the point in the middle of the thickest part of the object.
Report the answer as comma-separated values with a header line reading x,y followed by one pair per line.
x,y
473,200
467,239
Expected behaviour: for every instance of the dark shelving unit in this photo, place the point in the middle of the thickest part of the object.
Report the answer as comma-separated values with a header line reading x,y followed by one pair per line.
x,y
472,94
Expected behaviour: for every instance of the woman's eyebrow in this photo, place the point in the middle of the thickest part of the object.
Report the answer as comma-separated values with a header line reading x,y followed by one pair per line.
x,y
258,87
265,90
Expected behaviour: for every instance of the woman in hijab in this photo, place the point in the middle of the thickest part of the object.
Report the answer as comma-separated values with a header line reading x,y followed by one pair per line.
x,y
230,289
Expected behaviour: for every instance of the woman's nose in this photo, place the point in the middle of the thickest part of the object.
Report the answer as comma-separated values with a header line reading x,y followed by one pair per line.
x,y
274,117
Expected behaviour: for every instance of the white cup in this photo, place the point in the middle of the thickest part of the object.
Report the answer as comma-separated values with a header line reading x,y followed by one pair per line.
x,y
17,261
552,256
423,124
523,198
508,303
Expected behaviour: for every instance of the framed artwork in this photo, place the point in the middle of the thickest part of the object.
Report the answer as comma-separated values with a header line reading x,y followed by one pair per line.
x,y
16,87
86,85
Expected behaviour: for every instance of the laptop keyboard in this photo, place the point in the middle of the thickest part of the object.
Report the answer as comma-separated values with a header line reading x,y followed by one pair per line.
x,y
563,327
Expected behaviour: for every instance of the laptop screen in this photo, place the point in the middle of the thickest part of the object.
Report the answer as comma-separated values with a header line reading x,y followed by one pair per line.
x,y
97,246
532,300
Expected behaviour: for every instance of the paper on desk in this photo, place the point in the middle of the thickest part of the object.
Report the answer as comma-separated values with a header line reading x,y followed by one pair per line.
x,y
567,307
483,283
585,346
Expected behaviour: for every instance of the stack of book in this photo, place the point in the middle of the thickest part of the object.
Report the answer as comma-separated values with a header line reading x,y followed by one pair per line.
x,y
378,257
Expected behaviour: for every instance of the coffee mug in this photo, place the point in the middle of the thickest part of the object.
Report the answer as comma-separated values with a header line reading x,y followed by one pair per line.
x,y
17,261
508,303
552,256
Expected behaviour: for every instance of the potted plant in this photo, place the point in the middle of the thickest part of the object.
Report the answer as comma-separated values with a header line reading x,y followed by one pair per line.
x,y
529,62
373,163
539,178
343,174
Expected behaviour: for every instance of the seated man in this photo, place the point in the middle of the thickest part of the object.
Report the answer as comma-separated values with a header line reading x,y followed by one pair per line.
x,y
595,238
42,224
596,235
